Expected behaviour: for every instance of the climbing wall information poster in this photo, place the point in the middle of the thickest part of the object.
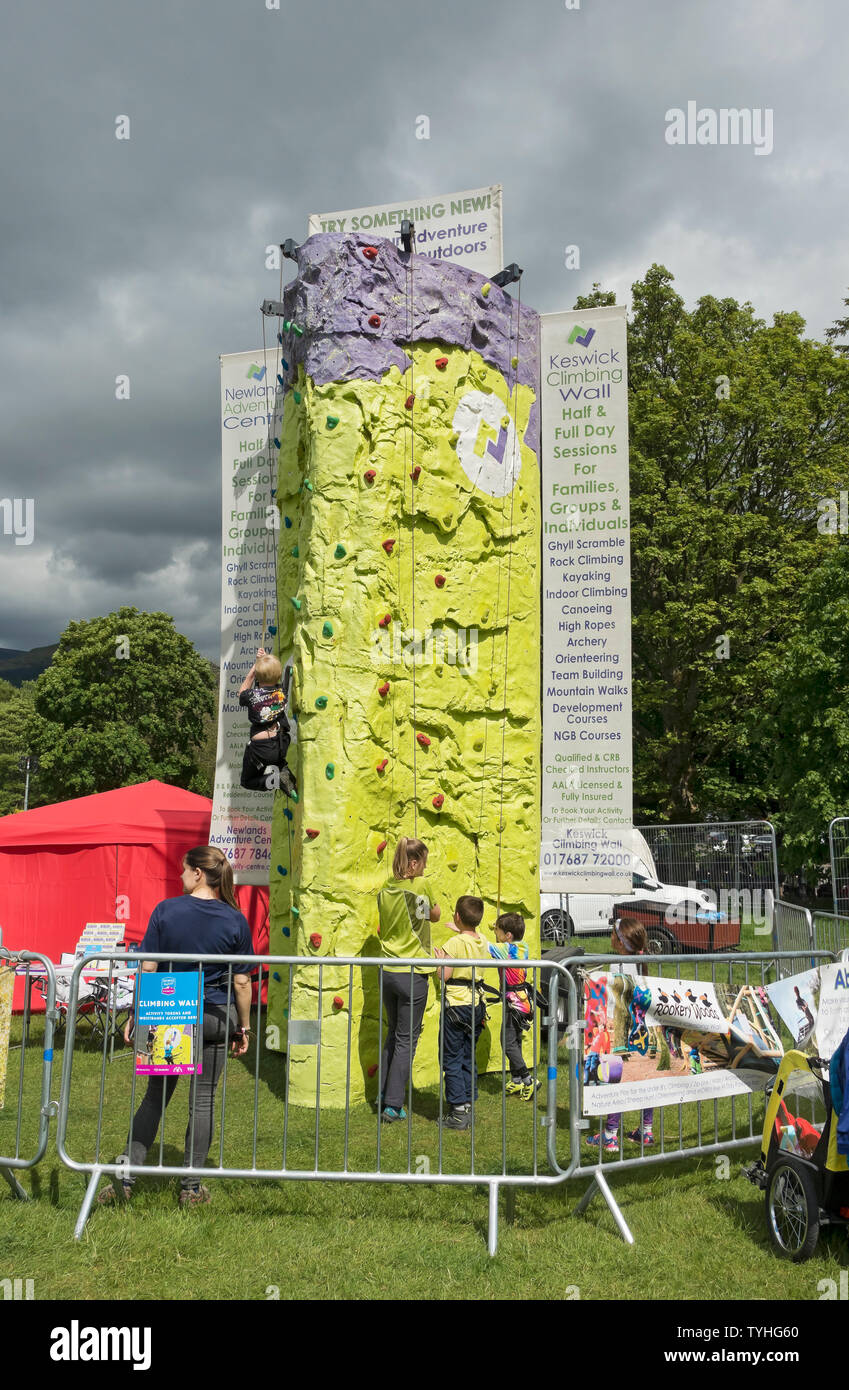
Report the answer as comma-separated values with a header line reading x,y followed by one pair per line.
x,y
586,584
464,228
241,820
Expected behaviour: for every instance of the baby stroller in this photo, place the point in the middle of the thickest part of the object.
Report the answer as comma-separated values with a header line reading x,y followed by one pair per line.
x,y
804,1178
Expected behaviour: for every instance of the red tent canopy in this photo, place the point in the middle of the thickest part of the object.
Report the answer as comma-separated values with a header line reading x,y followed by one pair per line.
x,y
105,858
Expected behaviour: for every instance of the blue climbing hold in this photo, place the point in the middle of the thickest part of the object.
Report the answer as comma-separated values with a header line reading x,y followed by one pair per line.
x,y
285,364
280,380
287,931
272,630
287,813
276,443
287,522
275,975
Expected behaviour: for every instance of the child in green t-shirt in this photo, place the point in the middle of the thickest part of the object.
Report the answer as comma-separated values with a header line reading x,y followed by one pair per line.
x,y
463,1013
406,908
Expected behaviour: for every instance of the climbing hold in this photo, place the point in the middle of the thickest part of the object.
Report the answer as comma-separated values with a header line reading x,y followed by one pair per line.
x,y
438,800
287,325
387,546
277,443
276,975
423,740
287,522
295,551
381,767
296,603
439,581
382,846
297,330
272,630
321,702
338,1001
308,485
370,253
410,401
369,476
274,492
295,911
385,620
287,813
285,364
280,338
315,940
327,629
280,381
281,870
514,362
287,931
383,689
298,397
374,320
293,796
340,552
330,771
441,363
313,834
372,1069
415,473
485,289
332,421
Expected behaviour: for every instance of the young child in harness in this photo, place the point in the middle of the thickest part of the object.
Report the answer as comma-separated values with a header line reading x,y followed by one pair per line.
x,y
264,764
518,1002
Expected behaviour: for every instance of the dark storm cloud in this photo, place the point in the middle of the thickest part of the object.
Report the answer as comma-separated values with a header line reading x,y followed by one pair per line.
x,y
146,256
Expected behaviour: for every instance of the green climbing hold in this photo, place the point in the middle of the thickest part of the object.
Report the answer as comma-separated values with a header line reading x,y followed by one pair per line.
x,y
298,397
293,796
514,362
485,289
308,485
330,772
321,702
297,330
287,324
295,551
340,552
296,603
332,421
295,911
327,630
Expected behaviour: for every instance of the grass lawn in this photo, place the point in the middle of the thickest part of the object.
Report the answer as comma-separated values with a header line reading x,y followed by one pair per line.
x,y
697,1235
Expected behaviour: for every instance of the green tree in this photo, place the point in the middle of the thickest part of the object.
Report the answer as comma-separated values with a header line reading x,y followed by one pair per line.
x,y
839,329
124,700
738,430
19,728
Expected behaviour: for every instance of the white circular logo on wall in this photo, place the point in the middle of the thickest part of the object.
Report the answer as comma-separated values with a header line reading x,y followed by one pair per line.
x,y
486,447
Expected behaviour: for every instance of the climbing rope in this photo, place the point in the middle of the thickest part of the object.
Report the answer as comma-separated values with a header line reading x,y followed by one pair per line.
x,y
517,450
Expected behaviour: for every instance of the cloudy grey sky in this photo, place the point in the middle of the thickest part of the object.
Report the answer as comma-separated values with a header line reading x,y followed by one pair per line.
x,y
147,256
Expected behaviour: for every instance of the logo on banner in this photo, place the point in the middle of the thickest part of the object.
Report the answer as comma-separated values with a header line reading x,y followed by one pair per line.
x,y
584,336
256,373
169,984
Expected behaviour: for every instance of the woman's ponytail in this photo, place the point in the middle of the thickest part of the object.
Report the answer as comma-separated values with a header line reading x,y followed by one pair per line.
x,y
217,870
405,851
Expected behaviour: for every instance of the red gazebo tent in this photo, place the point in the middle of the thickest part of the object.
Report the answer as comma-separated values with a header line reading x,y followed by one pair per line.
x,y
104,858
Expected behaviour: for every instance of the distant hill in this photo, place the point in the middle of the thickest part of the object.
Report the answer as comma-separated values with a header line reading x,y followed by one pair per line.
x,y
17,667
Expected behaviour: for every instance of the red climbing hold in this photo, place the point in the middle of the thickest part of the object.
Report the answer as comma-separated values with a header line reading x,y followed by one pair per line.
x,y
374,320
313,834
387,546
370,475
381,767
415,473
382,846
338,1001
383,690
370,253
315,940
410,402
385,620
438,800
423,740
441,363
439,581
372,1069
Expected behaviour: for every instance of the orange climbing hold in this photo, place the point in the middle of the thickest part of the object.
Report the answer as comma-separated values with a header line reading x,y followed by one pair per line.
x,y
438,800
372,1069
423,740
387,546
382,846
381,767
313,834
370,253
383,690
439,581
315,940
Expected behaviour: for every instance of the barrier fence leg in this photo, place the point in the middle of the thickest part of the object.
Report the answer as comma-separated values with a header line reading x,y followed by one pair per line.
x,y
599,1184
492,1243
85,1209
17,1190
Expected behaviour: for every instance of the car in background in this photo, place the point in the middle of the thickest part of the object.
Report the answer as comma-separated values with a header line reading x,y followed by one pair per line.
x,y
676,918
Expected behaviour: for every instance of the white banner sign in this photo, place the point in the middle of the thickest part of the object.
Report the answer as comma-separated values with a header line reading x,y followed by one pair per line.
x,y
241,819
586,578
464,228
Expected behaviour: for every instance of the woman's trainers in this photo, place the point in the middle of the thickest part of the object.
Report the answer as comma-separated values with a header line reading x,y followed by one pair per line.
x,y
609,1142
115,1194
194,1196
389,1114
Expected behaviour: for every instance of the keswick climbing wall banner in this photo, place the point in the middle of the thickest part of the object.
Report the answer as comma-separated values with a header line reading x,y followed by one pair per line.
x,y
650,1041
241,819
586,587
463,228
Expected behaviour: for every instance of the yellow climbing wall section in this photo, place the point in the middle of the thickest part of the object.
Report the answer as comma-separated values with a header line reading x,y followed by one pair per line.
x,y
408,597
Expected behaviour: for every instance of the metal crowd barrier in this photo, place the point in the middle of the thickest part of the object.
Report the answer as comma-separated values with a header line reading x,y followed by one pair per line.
x,y
831,931
710,1126
272,1138
793,935
27,1109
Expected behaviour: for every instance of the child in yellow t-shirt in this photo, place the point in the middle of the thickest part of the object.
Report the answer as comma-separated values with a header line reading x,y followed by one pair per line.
x,y
463,1013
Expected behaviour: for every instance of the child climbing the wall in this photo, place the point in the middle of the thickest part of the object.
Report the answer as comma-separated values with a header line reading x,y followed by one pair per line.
x,y
463,1013
518,1010
406,909
628,938
264,764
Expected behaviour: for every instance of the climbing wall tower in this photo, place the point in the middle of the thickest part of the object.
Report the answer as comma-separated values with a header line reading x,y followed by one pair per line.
x,y
408,597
